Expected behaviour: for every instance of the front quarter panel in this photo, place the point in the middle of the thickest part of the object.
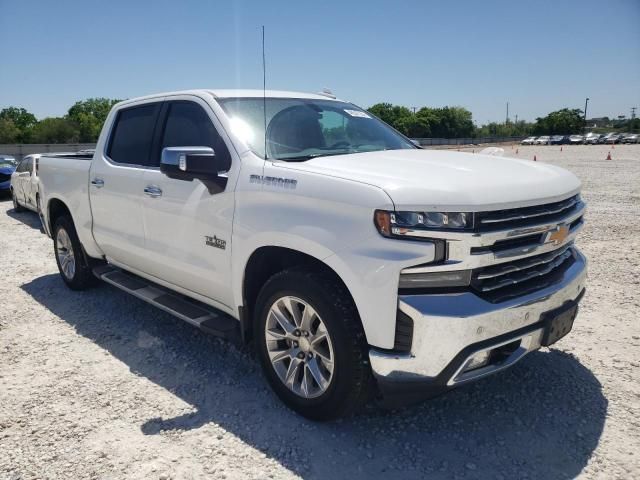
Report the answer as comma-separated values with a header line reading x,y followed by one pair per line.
x,y
330,219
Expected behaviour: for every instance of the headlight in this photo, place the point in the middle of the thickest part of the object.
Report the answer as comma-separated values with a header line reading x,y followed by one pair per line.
x,y
408,224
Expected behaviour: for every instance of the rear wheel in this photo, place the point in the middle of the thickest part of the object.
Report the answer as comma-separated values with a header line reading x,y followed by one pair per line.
x,y
72,264
16,206
311,344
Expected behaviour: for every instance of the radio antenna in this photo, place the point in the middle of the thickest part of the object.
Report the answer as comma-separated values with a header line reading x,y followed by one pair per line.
x,y
264,94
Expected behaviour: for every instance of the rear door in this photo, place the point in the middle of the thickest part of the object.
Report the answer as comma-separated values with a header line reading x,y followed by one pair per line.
x,y
116,185
188,226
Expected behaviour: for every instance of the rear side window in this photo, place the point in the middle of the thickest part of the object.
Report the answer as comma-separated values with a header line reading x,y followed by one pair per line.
x,y
132,135
188,125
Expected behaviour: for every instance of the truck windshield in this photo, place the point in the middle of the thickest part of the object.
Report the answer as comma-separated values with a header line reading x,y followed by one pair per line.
x,y
301,129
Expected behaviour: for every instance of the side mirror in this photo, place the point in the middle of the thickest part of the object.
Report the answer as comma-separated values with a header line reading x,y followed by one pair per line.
x,y
191,162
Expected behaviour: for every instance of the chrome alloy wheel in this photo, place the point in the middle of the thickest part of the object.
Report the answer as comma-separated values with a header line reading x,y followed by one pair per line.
x,y
299,347
64,252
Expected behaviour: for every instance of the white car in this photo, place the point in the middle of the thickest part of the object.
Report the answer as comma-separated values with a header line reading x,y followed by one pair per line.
x,y
352,259
576,139
591,138
528,141
25,183
543,140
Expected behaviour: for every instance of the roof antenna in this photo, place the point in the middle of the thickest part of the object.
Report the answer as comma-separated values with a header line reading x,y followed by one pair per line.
x,y
264,94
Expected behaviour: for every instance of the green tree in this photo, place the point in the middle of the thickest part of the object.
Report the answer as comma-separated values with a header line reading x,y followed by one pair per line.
x,y
391,114
560,122
21,119
89,116
9,133
55,130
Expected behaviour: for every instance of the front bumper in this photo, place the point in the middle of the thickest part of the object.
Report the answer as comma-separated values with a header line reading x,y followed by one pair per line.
x,y
449,329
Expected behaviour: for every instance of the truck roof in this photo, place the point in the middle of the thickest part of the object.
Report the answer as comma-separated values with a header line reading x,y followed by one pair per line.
x,y
227,93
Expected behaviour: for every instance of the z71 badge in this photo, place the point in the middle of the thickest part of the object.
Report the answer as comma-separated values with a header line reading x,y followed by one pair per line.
x,y
215,242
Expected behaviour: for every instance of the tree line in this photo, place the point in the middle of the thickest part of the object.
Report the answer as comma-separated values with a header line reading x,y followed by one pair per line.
x,y
83,122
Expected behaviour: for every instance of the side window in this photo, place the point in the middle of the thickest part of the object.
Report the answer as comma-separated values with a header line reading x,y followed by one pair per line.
x,y
188,125
132,134
28,167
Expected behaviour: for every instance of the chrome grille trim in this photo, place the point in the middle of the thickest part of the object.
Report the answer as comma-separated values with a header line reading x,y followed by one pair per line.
x,y
525,273
507,268
535,211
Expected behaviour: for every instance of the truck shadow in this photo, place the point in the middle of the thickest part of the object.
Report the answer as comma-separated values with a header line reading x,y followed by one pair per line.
x,y
28,217
541,419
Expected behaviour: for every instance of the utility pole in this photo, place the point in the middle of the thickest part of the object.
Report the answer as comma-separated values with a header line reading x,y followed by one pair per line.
x,y
633,113
586,102
507,120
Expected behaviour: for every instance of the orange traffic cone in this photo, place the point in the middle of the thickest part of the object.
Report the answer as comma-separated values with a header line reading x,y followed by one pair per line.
x,y
560,148
535,159
613,146
609,156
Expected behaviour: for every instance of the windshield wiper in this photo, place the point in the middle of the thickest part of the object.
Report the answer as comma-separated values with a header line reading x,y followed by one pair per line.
x,y
303,158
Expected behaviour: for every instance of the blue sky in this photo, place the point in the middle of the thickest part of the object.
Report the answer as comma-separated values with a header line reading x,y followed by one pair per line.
x,y
540,56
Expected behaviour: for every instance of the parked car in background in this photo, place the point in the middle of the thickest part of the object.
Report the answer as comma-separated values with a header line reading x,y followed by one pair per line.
x,y
559,140
606,138
576,139
25,182
544,140
7,167
591,138
632,138
528,141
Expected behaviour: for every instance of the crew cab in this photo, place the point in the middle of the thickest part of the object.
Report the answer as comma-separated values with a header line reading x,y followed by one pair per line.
x,y
359,264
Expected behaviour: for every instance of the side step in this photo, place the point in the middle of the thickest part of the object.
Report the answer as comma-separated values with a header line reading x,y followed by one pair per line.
x,y
203,316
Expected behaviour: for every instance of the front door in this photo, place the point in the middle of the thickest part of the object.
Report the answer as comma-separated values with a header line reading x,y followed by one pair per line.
x,y
188,225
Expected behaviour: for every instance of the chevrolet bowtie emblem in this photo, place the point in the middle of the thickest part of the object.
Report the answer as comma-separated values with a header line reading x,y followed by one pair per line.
x,y
558,235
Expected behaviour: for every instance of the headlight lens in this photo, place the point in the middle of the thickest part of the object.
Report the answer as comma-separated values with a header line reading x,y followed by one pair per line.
x,y
404,224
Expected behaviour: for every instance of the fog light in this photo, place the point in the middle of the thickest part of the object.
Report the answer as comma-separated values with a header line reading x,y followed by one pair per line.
x,y
479,360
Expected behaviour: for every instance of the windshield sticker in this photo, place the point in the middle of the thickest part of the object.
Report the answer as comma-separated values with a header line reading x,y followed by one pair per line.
x,y
357,113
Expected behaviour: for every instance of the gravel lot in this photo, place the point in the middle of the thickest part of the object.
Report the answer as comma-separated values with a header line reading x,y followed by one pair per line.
x,y
98,384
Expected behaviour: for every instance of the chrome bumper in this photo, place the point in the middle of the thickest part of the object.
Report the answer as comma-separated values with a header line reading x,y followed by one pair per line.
x,y
449,329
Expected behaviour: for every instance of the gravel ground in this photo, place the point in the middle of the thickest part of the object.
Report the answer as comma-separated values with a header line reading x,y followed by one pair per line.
x,y
98,384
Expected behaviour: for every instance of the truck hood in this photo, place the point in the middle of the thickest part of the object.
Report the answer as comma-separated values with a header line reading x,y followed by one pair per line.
x,y
451,181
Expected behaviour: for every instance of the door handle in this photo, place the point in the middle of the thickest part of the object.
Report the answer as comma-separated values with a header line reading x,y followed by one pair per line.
x,y
97,182
153,191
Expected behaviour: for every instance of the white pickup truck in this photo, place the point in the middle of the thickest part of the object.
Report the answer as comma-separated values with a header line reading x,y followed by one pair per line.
x,y
358,264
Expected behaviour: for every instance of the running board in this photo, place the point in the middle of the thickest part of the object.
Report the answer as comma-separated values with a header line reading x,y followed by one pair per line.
x,y
203,316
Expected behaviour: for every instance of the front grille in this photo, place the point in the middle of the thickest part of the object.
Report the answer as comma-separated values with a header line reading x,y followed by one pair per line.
x,y
527,216
511,279
4,177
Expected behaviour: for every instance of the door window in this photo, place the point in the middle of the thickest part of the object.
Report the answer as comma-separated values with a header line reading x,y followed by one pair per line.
x,y
28,164
132,134
188,125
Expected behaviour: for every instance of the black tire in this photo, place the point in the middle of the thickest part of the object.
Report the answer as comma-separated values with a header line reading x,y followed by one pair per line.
x,y
16,206
82,277
351,384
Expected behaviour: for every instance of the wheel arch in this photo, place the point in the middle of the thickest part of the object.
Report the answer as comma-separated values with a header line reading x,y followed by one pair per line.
x,y
266,261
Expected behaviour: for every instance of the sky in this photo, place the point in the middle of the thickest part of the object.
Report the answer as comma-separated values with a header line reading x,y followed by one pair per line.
x,y
538,56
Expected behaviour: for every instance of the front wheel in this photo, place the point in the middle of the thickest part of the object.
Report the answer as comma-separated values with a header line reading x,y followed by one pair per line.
x,y
72,264
311,344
